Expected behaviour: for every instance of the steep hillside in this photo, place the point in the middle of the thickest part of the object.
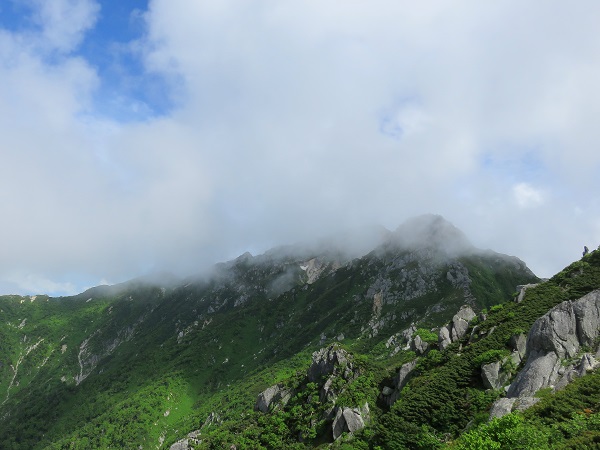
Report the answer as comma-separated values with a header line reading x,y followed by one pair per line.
x,y
141,365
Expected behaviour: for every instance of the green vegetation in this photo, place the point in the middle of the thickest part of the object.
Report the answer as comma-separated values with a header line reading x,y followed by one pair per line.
x,y
427,336
144,365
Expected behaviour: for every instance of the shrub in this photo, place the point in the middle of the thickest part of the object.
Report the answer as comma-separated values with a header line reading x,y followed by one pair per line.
x,y
426,335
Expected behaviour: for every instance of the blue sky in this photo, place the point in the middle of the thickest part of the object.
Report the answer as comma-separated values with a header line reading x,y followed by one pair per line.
x,y
127,91
172,134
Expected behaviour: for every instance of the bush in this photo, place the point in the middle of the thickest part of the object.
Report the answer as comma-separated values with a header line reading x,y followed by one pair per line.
x,y
490,356
427,336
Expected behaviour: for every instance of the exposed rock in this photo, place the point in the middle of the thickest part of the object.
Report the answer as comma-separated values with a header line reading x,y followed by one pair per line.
x,y
274,395
525,402
460,322
403,374
330,364
521,290
401,341
213,418
419,346
313,268
457,328
587,364
326,360
349,420
493,376
518,342
180,445
400,381
387,391
444,339
502,407
558,335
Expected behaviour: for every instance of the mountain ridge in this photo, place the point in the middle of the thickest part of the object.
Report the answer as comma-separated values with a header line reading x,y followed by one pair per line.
x,y
254,322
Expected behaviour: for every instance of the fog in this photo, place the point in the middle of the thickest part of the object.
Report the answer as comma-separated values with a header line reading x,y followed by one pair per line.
x,y
292,121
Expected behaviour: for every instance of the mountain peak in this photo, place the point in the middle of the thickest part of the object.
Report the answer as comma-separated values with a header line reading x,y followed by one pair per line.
x,y
431,231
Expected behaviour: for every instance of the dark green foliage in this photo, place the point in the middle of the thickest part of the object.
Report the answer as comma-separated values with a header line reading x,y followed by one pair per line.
x,y
438,397
490,356
510,432
210,346
427,336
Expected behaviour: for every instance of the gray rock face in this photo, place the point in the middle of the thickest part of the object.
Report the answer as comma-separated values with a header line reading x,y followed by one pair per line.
x,y
521,289
518,343
444,339
401,341
325,361
386,391
274,395
329,364
493,376
502,407
460,322
391,395
180,445
419,346
456,329
558,335
349,420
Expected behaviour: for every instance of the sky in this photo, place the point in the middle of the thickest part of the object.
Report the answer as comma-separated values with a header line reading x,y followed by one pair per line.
x,y
139,136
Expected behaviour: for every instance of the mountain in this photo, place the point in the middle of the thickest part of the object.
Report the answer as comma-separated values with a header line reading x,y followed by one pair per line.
x,y
379,342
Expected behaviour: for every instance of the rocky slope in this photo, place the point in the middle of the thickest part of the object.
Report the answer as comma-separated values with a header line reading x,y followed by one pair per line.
x,y
561,345
145,366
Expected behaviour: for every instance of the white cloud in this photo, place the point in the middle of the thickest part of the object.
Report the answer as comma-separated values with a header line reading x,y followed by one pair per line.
x,y
527,196
277,133
35,284
63,22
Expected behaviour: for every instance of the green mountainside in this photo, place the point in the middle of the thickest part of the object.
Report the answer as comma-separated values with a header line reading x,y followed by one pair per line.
x,y
297,348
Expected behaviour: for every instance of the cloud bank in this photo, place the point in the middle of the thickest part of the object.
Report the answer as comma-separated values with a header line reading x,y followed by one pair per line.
x,y
291,120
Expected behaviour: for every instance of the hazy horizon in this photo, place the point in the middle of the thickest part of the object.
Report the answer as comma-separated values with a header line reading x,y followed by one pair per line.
x,y
171,135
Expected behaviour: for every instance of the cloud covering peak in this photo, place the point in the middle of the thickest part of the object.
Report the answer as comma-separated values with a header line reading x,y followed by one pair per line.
x,y
267,123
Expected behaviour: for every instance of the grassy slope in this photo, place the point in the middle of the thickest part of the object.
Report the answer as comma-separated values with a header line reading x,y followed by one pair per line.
x,y
157,387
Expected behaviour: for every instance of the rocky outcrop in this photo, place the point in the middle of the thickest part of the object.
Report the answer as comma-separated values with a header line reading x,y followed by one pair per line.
x,y
272,397
349,420
390,395
554,350
327,361
315,268
457,328
496,375
493,376
502,407
401,340
183,444
521,289
329,365
419,346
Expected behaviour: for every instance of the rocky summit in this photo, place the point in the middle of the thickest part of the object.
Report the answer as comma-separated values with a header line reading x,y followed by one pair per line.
x,y
406,339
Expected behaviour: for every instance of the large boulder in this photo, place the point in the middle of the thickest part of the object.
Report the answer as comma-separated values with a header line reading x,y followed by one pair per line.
x,y
349,420
419,346
180,445
274,395
460,322
326,361
502,407
390,395
493,376
556,337
444,339
457,328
